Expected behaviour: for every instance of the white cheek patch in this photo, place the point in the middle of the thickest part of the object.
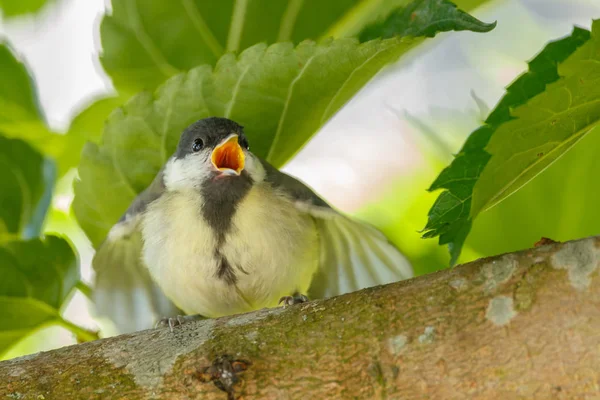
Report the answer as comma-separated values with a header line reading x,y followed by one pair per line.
x,y
124,228
254,168
187,172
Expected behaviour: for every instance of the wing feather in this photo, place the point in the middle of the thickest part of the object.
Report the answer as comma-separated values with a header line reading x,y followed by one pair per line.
x,y
353,254
124,292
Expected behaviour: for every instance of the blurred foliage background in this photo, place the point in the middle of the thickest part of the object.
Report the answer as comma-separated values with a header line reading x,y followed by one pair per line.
x,y
65,67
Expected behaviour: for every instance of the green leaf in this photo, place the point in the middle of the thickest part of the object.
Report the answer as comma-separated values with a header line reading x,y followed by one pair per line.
x,y
21,116
147,41
450,218
544,129
36,277
26,184
280,94
560,203
14,8
87,126
20,113
425,18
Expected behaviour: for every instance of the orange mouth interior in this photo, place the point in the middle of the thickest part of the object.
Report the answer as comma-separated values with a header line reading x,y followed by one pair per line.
x,y
228,155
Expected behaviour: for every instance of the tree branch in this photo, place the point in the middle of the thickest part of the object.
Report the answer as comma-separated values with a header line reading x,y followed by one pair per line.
x,y
521,325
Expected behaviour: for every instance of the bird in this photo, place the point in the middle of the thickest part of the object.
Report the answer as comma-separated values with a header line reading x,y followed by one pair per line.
x,y
220,231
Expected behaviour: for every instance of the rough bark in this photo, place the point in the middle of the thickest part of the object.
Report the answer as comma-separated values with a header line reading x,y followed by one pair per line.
x,y
523,325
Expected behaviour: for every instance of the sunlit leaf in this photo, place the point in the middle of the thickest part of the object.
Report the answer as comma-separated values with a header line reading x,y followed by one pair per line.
x,y
19,108
36,277
14,8
20,113
26,183
450,218
425,18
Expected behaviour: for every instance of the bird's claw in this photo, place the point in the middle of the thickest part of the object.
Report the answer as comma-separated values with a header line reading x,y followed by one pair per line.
x,y
291,300
171,322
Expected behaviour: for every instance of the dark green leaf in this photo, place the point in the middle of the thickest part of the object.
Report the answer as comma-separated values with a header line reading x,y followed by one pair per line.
x,y
14,8
560,203
36,277
544,128
450,217
425,18
26,183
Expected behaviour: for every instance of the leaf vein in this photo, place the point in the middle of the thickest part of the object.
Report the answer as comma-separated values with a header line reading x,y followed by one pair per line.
x,y
202,27
348,79
236,90
287,103
142,36
236,26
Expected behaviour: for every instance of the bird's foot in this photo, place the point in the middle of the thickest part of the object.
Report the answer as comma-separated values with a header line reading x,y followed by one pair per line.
x,y
172,322
297,298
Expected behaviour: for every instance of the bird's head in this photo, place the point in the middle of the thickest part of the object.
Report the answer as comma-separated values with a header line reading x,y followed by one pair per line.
x,y
211,149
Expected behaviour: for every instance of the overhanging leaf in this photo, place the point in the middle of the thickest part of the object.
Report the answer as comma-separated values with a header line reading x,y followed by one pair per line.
x,y
26,183
560,203
36,277
544,128
425,18
450,217
147,41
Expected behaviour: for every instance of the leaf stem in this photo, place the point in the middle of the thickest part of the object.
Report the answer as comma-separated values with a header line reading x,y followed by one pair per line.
x,y
205,32
85,289
83,335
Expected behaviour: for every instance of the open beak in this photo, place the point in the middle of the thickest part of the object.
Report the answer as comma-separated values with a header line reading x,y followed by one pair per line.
x,y
228,155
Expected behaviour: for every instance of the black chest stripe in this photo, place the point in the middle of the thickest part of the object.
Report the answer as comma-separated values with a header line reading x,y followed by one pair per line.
x,y
225,271
221,199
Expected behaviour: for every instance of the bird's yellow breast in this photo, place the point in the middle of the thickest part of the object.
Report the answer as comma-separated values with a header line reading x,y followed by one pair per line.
x,y
271,247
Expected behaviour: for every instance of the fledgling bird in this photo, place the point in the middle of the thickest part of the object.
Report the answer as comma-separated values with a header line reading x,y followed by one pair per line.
x,y
220,231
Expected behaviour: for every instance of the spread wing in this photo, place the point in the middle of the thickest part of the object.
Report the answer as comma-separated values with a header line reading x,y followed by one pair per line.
x,y
123,289
353,254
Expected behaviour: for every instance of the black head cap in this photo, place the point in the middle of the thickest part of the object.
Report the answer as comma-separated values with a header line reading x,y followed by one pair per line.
x,y
208,133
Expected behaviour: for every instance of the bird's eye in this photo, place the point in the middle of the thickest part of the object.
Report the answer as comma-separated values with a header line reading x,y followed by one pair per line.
x,y
198,144
244,142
